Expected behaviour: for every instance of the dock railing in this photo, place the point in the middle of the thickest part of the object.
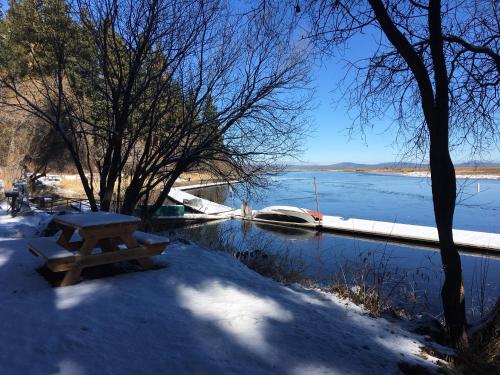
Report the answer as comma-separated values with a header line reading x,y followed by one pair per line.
x,y
52,204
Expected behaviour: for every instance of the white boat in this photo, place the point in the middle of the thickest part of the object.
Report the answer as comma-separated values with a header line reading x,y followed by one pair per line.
x,y
288,214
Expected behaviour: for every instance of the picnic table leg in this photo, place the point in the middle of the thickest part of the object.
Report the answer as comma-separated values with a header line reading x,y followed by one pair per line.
x,y
72,276
108,244
145,263
131,242
65,237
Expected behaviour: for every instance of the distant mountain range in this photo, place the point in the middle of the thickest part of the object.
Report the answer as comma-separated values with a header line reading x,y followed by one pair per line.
x,y
348,165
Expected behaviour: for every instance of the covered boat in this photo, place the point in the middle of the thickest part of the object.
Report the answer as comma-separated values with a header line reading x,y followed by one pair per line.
x,y
288,214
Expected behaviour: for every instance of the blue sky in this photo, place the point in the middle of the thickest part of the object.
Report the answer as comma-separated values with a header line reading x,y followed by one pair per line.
x,y
330,142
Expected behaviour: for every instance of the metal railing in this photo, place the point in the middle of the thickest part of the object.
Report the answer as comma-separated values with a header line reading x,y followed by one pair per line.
x,y
53,204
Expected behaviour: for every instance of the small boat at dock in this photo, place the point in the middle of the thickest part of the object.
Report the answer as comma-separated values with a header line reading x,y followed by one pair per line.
x,y
288,214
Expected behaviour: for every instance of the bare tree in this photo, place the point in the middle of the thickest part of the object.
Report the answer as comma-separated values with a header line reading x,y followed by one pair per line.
x,y
49,40
437,70
214,96
235,113
162,87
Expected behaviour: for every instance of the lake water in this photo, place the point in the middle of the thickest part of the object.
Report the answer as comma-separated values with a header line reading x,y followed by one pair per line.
x,y
383,197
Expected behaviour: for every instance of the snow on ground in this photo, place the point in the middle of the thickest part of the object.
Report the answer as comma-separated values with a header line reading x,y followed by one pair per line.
x,y
21,226
204,313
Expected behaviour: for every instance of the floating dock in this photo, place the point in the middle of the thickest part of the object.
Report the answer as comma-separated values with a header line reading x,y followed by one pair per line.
x,y
205,185
418,235
197,204
192,218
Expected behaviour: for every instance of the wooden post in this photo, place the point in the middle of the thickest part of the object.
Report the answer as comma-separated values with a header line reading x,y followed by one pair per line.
x,y
316,193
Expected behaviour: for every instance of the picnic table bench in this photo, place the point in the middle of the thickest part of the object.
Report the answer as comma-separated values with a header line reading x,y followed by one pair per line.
x,y
105,238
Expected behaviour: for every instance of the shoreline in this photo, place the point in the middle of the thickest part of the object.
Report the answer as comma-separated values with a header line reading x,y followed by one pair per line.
x,y
461,173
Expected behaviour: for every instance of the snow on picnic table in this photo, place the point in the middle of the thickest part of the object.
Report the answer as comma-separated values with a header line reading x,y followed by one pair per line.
x,y
93,219
204,313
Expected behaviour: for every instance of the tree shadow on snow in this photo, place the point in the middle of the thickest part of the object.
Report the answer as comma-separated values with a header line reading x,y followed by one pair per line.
x,y
204,314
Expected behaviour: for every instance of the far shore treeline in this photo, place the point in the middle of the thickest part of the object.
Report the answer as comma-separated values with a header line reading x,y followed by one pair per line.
x,y
470,168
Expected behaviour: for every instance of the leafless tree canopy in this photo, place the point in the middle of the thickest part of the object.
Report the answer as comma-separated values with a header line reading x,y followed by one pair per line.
x,y
161,87
436,71
384,84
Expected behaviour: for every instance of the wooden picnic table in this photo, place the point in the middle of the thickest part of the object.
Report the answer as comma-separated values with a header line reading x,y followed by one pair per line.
x,y
114,234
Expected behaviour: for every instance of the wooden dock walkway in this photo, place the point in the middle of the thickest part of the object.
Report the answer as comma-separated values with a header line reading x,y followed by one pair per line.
x,y
205,185
407,233
198,204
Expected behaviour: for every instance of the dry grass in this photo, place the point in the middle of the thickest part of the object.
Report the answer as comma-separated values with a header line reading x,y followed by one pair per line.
x,y
194,178
9,175
283,269
72,186
482,356
366,296
479,170
352,283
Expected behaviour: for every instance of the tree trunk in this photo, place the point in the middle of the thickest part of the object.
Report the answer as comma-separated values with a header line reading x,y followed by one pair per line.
x,y
118,193
164,192
131,197
444,195
86,187
112,177
444,184
89,192
106,197
110,171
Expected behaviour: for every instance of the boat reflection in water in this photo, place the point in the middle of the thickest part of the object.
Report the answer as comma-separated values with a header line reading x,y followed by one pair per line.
x,y
289,233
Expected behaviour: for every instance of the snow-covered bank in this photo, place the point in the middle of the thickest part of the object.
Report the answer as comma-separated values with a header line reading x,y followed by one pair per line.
x,y
459,175
20,226
204,313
